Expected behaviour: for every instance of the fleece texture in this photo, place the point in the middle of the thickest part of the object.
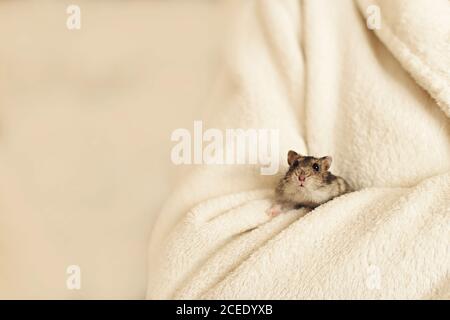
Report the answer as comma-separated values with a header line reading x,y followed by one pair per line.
x,y
378,102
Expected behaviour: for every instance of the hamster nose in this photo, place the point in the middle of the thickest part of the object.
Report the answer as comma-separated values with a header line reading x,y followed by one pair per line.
x,y
301,178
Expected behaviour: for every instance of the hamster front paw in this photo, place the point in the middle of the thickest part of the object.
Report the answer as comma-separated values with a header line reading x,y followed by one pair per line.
x,y
275,210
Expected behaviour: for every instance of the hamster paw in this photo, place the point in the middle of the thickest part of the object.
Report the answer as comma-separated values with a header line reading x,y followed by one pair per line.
x,y
274,210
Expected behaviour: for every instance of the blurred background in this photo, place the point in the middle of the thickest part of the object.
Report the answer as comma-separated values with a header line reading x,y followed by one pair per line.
x,y
85,123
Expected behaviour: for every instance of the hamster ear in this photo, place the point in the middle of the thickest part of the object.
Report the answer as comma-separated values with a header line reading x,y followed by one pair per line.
x,y
326,162
292,156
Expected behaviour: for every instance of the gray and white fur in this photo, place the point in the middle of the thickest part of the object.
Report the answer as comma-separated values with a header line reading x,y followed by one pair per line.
x,y
307,183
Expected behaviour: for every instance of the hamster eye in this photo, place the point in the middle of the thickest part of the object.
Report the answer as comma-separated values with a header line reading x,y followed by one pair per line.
x,y
316,167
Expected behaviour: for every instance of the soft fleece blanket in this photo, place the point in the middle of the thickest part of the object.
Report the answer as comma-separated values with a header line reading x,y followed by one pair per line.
x,y
378,101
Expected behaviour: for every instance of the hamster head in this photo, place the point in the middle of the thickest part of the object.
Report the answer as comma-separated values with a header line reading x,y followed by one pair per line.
x,y
307,172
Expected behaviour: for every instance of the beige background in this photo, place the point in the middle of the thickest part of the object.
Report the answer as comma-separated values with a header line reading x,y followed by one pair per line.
x,y
85,123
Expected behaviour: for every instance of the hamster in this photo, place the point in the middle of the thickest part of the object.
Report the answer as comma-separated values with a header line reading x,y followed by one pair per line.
x,y
307,183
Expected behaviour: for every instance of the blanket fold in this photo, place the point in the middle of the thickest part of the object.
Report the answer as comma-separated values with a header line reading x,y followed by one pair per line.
x,y
333,87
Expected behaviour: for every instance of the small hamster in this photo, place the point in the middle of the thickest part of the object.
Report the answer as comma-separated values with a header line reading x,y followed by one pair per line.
x,y
307,183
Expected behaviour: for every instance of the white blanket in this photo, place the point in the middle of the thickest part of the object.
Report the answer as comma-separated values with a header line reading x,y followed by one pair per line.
x,y
378,101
